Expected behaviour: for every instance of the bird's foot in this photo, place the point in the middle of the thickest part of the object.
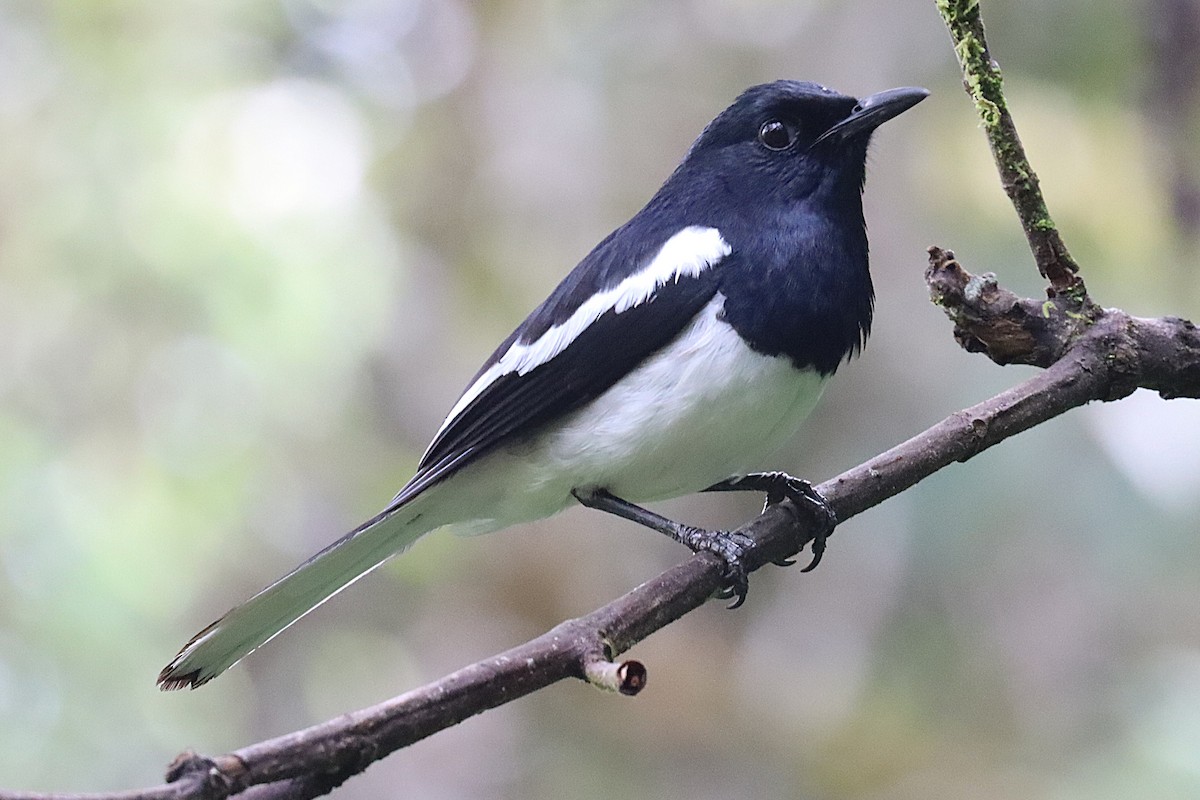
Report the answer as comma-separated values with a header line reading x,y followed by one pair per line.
x,y
783,486
780,486
731,547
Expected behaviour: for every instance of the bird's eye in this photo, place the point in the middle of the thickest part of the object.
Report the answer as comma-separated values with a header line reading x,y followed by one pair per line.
x,y
775,135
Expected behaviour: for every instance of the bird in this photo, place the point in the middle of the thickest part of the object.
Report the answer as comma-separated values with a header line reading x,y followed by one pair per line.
x,y
673,359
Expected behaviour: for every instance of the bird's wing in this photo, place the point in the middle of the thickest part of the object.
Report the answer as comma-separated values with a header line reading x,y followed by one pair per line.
x,y
596,327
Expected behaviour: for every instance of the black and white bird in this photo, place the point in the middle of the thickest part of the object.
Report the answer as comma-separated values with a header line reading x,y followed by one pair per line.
x,y
673,359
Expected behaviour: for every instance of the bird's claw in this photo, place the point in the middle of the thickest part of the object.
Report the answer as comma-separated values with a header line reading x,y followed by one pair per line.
x,y
806,497
731,547
818,548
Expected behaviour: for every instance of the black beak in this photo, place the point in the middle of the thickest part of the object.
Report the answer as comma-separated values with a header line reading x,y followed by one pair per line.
x,y
873,111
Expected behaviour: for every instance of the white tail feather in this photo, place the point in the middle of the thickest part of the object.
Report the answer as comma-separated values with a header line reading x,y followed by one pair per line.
x,y
256,621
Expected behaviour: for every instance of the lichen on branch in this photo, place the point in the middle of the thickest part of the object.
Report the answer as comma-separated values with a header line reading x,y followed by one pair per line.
x,y
985,85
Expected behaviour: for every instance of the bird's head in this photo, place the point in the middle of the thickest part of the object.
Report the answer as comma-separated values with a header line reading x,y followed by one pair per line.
x,y
797,137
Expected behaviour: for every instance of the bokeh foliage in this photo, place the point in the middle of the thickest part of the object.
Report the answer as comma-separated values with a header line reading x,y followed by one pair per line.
x,y
250,251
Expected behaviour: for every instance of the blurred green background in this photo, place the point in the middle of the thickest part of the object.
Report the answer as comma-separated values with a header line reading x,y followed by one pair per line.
x,y
251,251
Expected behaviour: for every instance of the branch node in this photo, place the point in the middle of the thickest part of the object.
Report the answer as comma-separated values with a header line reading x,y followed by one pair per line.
x,y
990,319
626,677
213,778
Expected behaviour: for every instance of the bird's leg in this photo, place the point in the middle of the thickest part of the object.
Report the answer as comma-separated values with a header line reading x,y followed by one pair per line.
x,y
780,485
730,546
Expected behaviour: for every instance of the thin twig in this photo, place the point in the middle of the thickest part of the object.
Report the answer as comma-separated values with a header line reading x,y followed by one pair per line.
x,y
983,82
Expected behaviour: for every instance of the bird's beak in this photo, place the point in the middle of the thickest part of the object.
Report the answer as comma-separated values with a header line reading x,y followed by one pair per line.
x,y
873,111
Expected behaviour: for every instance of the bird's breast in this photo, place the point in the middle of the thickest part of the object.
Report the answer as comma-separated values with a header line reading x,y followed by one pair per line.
x,y
704,408
801,288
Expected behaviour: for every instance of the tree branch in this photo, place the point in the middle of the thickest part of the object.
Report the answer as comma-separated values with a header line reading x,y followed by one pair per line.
x,y
983,82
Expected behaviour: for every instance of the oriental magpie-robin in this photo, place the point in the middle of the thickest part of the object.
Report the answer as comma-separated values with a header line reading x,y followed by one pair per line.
x,y
679,352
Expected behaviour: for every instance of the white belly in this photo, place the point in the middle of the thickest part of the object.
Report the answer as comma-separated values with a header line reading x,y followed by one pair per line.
x,y
705,408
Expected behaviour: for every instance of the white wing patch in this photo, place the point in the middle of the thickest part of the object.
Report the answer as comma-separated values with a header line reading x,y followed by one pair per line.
x,y
685,255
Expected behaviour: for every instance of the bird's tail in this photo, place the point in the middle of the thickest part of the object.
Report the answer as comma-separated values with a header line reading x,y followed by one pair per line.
x,y
235,635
